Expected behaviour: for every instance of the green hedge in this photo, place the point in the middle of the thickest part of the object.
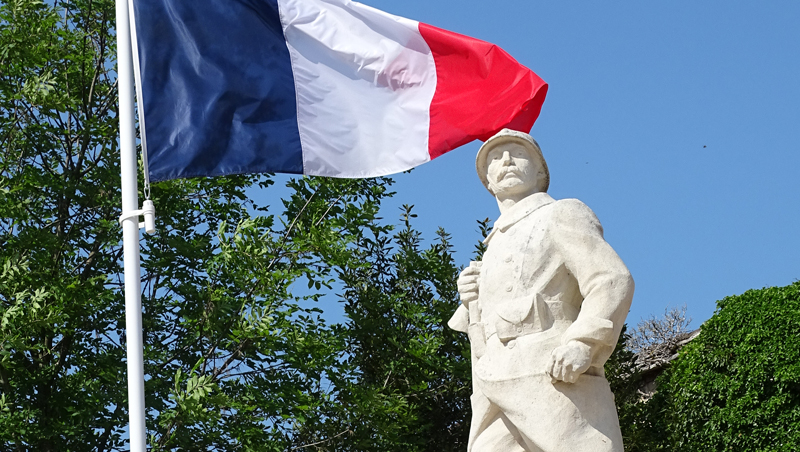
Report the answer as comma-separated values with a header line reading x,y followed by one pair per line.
x,y
737,386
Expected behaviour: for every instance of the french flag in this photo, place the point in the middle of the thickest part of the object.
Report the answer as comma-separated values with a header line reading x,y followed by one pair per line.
x,y
318,87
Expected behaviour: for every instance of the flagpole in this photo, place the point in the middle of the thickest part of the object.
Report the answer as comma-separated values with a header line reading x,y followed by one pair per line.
x,y
130,231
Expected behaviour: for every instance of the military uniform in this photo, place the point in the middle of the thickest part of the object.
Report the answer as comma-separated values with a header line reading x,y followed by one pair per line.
x,y
548,277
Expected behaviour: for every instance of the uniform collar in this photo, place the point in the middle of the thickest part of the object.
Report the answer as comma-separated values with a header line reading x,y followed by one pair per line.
x,y
519,211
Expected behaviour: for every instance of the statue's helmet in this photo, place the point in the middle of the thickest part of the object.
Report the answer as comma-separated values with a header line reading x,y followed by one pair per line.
x,y
512,136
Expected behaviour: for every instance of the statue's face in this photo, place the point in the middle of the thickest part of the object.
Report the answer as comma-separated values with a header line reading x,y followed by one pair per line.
x,y
511,171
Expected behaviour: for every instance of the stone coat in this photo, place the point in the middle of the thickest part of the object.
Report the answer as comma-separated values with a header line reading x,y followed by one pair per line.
x,y
548,277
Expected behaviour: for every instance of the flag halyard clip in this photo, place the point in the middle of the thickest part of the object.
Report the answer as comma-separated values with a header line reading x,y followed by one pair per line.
x,y
149,212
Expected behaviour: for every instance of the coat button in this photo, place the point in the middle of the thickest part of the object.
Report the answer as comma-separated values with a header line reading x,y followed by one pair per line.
x,y
511,344
519,329
509,288
508,259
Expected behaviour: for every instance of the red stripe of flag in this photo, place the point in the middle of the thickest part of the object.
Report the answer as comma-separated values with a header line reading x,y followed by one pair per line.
x,y
480,90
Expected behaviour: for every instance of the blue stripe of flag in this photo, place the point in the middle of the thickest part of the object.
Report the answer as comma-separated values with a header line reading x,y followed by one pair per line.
x,y
218,88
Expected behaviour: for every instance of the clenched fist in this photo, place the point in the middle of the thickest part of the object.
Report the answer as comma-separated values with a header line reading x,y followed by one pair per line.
x,y
468,283
568,362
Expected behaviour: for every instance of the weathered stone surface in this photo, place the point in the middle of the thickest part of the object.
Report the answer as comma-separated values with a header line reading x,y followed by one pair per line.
x,y
543,311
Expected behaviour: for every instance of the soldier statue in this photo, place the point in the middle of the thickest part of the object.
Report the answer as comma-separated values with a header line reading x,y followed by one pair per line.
x,y
543,311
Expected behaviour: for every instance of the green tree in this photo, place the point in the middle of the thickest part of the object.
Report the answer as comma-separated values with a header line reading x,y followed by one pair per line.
x,y
623,377
641,420
61,379
237,356
407,380
737,385
234,359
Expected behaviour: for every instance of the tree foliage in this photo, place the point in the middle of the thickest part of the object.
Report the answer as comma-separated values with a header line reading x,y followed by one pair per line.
x,y
737,386
623,376
407,386
237,354
641,419
61,379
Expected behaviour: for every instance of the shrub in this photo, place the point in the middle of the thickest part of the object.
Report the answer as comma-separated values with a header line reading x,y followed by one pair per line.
x,y
737,386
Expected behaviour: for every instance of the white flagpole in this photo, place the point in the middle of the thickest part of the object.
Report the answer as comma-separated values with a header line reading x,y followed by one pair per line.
x,y
130,231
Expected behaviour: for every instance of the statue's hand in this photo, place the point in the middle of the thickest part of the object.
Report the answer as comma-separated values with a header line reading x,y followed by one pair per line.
x,y
568,362
468,283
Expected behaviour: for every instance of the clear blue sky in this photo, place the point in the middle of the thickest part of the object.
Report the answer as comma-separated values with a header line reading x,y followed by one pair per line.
x,y
676,122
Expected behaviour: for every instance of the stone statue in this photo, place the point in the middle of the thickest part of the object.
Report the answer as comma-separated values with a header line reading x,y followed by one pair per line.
x,y
543,311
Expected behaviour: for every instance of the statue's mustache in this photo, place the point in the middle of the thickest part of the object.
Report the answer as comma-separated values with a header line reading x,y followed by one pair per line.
x,y
508,171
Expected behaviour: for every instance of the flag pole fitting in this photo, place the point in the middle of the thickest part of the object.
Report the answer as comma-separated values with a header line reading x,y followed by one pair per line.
x,y
149,212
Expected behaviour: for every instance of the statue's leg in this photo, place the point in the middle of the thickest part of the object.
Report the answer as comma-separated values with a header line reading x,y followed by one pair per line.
x,y
491,431
500,436
560,417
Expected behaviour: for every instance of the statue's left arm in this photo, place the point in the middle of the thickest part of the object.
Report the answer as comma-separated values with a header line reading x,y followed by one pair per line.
x,y
604,282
